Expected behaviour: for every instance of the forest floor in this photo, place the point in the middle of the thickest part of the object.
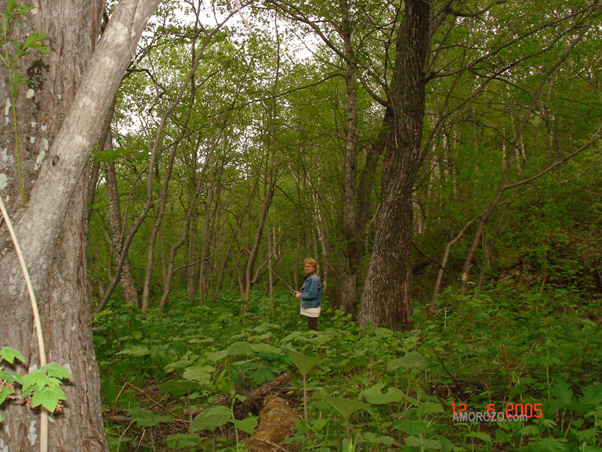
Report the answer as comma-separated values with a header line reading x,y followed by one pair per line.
x,y
195,378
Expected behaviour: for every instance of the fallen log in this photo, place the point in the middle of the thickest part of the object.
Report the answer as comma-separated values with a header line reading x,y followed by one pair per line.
x,y
276,421
254,401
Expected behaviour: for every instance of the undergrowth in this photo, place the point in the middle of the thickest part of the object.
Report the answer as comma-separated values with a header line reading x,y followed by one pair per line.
x,y
169,381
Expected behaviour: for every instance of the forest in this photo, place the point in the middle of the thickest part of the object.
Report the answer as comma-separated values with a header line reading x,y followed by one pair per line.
x,y
167,167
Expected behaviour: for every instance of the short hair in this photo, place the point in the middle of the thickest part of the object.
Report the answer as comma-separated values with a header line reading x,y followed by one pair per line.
x,y
311,262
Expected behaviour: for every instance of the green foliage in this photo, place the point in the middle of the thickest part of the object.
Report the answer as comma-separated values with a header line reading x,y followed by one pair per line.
x,y
211,418
41,387
374,395
377,388
304,363
247,425
9,355
345,406
412,360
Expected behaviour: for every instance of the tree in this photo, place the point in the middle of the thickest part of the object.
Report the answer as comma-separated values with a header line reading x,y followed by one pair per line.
x,y
386,299
59,111
434,48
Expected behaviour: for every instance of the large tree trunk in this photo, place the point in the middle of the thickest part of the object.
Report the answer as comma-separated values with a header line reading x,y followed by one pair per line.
x,y
52,227
67,315
346,287
386,299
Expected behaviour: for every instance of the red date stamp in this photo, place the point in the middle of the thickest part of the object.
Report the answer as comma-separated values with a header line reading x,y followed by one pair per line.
x,y
511,412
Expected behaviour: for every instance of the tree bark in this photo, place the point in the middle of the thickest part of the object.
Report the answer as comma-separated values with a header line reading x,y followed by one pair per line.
x,y
387,299
192,253
126,281
95,164
189,214
235,233
61,107
105,142
346,287
150,259
258,237
211,215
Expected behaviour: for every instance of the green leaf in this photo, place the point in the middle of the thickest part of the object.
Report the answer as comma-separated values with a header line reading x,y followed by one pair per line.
x,y
446,444
414,441
412,428
529,430
412,360
430,407
587,435
375,396
480,435
592,395
4,393
547,423
563,393
179,387
296,335
177,365
13,377
372,438
303,362
265,348
301,426
247,425
183,441
52,382
57,371
33,39
48,397
318,425
345,406
592,449
12,4
216,356
411,400
15,8
211,418
9,355
518,390
35,380
240,348
383,332
262,375
146,418
20,80
119,442
136,350
551,445
199,373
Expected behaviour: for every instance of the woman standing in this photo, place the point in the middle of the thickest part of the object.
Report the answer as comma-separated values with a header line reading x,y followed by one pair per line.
x,y
310,294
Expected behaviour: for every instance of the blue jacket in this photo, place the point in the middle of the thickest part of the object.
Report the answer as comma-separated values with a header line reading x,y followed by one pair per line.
x,y
311,292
